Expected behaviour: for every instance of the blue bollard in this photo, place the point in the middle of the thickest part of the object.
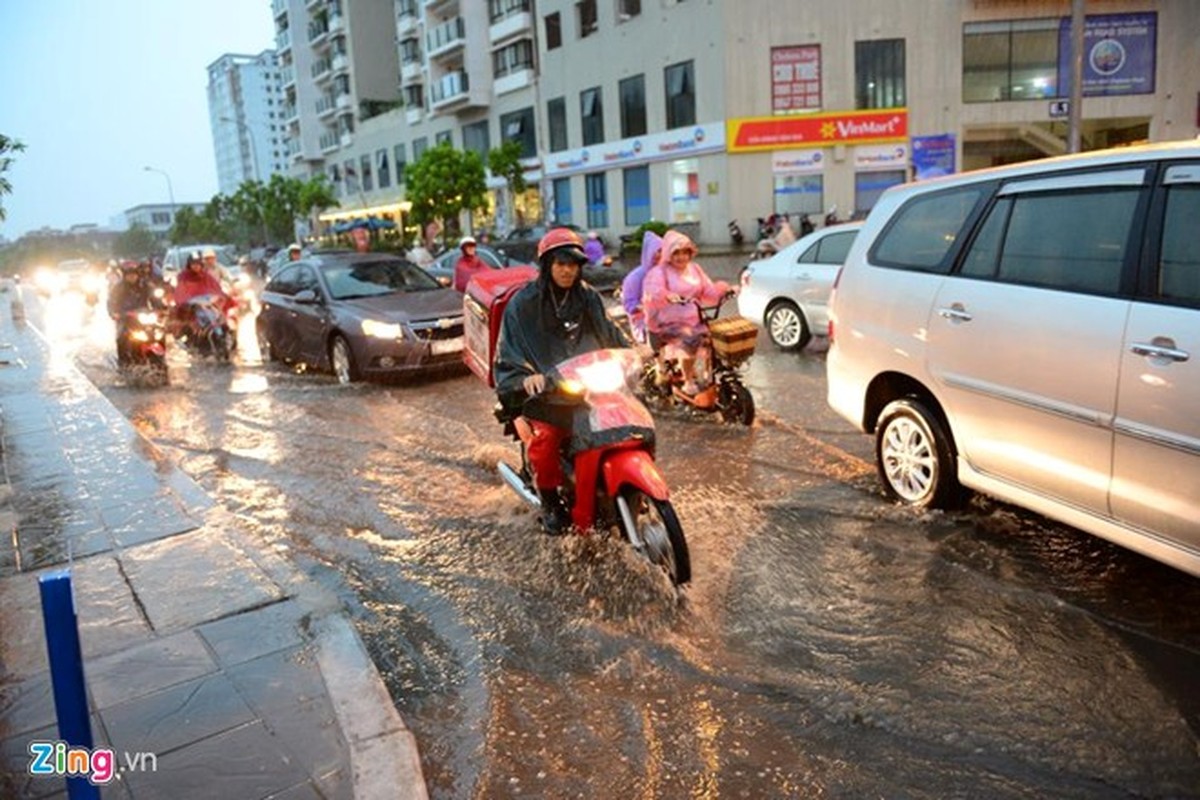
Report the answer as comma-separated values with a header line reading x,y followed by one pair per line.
x,y
66,672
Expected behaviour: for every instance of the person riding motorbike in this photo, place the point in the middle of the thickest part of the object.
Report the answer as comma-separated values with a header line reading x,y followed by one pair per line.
x,y
548,320
468,264
133,293
671,290
631,287
197,281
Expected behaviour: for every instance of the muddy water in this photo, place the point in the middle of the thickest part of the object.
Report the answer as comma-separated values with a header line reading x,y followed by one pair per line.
x,y
830,645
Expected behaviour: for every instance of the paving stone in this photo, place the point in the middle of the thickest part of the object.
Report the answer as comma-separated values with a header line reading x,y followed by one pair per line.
x,y
249,635
157,664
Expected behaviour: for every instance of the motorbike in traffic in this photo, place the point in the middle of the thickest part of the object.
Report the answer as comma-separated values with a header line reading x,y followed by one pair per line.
x,y
727,344
206,325
142,345
612,480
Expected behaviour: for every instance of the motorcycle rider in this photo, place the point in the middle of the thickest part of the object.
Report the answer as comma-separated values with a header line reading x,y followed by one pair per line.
x,y
196,281
131,294
669,295
550,319
468,264
631,287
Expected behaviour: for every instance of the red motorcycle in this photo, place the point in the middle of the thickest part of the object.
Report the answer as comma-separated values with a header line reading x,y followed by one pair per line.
x,y
613,482
142,345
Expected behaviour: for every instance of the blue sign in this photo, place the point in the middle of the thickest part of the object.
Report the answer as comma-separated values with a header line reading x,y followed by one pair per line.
x,y
1118,54
932,156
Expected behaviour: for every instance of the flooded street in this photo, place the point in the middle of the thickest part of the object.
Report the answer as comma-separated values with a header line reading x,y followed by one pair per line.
x,y
830,644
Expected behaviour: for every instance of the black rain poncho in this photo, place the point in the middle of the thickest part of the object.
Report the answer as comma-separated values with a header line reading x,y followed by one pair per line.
x,y
543,326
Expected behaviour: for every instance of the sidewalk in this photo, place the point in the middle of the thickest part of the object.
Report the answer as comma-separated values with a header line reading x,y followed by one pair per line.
x,y
202,647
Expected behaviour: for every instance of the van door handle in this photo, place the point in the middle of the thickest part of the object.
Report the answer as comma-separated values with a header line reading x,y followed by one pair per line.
x,y
1165,350
955,313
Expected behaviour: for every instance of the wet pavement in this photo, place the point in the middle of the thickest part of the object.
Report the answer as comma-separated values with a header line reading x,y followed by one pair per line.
x,y
213,666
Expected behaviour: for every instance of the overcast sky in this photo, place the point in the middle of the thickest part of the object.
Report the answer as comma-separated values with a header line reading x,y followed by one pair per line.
x,y
99,89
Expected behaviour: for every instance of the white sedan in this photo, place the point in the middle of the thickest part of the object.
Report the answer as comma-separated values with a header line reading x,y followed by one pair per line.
x,y
787,294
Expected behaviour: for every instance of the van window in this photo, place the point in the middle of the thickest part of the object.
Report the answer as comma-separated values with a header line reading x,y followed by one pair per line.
x,y
1179,267
923,231
1064,240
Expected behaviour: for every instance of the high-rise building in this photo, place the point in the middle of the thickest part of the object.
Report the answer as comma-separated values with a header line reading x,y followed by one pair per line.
x,y
245,109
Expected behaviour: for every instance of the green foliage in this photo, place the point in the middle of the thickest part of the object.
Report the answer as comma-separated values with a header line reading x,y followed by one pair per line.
x,y
7,148
257,212
138,242
444,182
634,243
505,162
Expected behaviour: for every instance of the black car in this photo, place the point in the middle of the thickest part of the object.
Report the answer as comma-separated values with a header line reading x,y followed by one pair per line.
x,y
360,315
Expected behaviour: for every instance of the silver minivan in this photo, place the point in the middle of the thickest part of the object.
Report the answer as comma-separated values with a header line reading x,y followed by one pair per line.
x,y
1032,332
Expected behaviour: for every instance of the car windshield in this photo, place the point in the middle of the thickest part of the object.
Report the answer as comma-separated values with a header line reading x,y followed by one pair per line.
x,y
372,278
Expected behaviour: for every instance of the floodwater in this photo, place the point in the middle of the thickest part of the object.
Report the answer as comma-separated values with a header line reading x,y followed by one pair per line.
x,y
830,645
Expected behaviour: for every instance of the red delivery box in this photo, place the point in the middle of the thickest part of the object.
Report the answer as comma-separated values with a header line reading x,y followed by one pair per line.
x,y
483,307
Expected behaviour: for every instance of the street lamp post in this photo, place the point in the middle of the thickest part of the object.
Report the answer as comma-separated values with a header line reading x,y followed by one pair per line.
x,y
170,190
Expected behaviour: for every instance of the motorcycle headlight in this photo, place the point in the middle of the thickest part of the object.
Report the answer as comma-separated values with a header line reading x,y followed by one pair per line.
x,y
382,330
600,377
147,318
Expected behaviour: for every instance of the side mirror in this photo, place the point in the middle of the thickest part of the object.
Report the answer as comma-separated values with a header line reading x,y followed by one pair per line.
x,y
306,297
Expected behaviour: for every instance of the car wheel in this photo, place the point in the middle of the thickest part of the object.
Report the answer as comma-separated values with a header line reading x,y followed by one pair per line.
x,y
342,360
914,456
787,327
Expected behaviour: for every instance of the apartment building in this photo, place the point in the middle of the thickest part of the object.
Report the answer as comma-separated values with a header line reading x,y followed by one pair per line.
x,y
245,111
700,111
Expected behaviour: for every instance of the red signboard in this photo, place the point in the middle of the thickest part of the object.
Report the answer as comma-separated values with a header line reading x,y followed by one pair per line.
x,y
795,78
847,127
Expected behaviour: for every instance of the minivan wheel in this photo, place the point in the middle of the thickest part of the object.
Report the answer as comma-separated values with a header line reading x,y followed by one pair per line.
x,y
787,327
914,458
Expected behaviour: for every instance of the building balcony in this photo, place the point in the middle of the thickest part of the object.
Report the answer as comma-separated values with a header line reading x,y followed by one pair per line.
x,y
337,23
344,100
508,27
410,71
448,90
440,5
326,106
321,69
289,76
340,63
413,115
279,8
318,32
514,80
312,5
345,139
406,18
449,37
283,40
290,113
330,141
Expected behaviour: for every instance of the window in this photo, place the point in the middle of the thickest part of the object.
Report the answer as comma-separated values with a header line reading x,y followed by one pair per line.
x,y
514,57
799,194
499,9
868,186
925,230
351,176
1179,264
383,168
553,24
588,21
365,173
879,74
591,112
831,249
401,163
1074,240
632,93
443,137
420,145
410,51
597,200
1010,60
518,127
414,97
628,9
556,114
681,95
476,137
637,195
562,200
685,190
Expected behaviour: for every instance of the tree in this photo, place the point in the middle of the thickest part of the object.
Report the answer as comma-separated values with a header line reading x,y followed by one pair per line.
x,y
137,242
7,147
444,182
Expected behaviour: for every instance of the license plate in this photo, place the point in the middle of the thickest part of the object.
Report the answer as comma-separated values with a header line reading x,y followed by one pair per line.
x,y
442,346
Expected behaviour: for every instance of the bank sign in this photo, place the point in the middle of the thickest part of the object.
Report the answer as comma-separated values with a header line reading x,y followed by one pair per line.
x,y
1118,54
806,130
678,143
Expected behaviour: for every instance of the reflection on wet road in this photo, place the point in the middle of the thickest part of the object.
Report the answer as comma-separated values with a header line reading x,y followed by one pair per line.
x,y
831,644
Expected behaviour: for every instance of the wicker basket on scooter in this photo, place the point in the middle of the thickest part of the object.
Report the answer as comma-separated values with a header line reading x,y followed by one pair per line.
x,y
733,338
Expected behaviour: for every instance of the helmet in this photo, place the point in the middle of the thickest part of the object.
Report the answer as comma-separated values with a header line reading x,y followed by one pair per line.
x,y
209,253
466,240
294,247
562,239
128,266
